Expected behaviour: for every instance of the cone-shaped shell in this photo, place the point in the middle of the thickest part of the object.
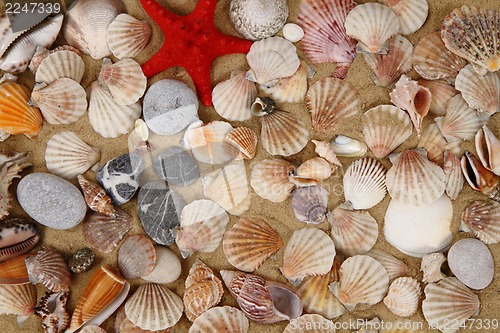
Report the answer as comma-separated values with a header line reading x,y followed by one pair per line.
x,y
330,101
364,183
441,92
449,301
395,268
269,179
18,300
386,128
353,232
233,98
318,323
127,36
309,252
136,257
483,219
249,243
63,63
325,150
153,307
219,320
103,232
13,271
49,268
207,142
96,197
372,24
310,203
488,149
402,298
16,116
411,13
290,89
454,179
241,141
68,156
283,133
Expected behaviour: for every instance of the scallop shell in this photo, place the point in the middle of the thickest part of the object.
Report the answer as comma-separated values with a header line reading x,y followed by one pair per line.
x,y
221,319
386,128
480,92
411,13
52,311
488,149
331,100
203,290
316,168
249,243
454,179
364,183
362,280
348,147
49,268
432,60
414,180
207,141
103,232
269,179
290,89
96,197
124,80
203,224
233,98
126,326
68,156
136,257
153,307
434,143
309,204
353,232
241,141
395,268
483,219
402,298
10,168
372,24
441,92
127,36
13,271
309,252
466,31
324,150
16,116
431,267
449,301
108,118
41,53
60,64
18,300
271,59
318,324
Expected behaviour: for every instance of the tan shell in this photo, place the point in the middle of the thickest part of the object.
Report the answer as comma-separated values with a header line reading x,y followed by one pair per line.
x,y
207,141
441,92
318,323
96,197
483,219
49,268
10,168
395,268
431,267
60,64
103,233
127,36
136,257
18,300
411,13
488,149
435,145
316,168
269,179
241,142
454,179
403,296
325,150
290,89
13,271
221,319
233,98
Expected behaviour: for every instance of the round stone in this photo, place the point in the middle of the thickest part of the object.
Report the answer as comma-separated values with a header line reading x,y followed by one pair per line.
x,y
167,268
169,107
51,200
176,166
81,260
471,262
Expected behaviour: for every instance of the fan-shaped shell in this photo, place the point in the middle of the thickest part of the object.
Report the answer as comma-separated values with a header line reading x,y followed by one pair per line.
x,y
18,300
310,203
441,92
290,89
63,63
241,142
153,307
41,53
449,301
207,141
233,98
434,143
362,280
372,24
49,268
269,179
395,268
364,183
309,252
488,149
203,224
221,319
454,179
249,243
127,36
136,257
331,100
483,219
317,323
95,196
402,298
353,232
68,156
414,180
103,232
108,118
386,128
411,13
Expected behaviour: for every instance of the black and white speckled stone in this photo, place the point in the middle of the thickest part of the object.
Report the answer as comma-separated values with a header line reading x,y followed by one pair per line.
x,y
176,166
81,260
51,200
120,177
159,211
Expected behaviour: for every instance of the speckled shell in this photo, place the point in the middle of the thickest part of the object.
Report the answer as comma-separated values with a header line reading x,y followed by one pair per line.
x,y
431,267
241,142
10,168
454,179
127,36
441,92
103,233
233,97
221,319
52,311
411,13
394,267
96,197
49,268
403,296
18,236
13,271
18,300
290,89
318,323
283,133
136,257
81,260
63,63
269,179
309,204
483,219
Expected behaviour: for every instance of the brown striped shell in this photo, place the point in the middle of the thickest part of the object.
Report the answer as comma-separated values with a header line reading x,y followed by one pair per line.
x,y
136,257
96,197
48,267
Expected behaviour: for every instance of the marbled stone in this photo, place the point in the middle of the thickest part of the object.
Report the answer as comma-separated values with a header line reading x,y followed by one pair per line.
x,y
176,166
51,200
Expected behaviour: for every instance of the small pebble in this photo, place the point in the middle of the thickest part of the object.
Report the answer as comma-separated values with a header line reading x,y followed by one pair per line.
x,y
292,32
81,260
176,166
167,268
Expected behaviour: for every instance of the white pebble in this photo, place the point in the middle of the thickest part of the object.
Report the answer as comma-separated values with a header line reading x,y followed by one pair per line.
x,y
168,266
292,32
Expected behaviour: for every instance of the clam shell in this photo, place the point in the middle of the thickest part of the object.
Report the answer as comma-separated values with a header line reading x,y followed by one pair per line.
x,y
127,36
283,133
136,257
207,141
402,298
60,64
17,236
386,128
290,89
52,311
309,204
96,197
364,183
233,98
154,307
68,156
362,280
13,271
348,147
483,219
124,80
221,319
249,243
441,92
324,150
103,232
203,290
49,268
10,168
487,148
309,252
242,141
449,301
269,179
431,267
318,323
18,300
203,224
316,168
454,179
395,268
330,101
106,117
411,13
372,24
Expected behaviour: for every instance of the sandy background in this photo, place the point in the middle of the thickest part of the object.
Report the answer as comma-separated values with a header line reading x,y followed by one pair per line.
x,y
281,215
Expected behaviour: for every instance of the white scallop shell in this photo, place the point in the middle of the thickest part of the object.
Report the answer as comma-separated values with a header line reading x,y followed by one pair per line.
x,y
270,181
233,98
403,296
290,89
127,36
441,92
454,179
395,268
411,13
220,319
60,64
283,133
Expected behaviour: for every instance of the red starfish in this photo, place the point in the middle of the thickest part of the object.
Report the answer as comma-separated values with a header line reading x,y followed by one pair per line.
x,y
193,43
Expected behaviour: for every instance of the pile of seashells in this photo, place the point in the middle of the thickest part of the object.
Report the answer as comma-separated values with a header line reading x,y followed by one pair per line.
x,y
199,184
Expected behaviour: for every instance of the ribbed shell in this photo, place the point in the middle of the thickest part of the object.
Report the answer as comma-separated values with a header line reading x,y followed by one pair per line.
x,y
483,219
309,204
403,296
17,299
127,36
107,118
92,329
283,133
104,233
136,257
325,150
63,63
290,89
95,196
68,156
317,323
414,180
233,97
330,101
441,92
353,232
454,179
364,183
395,268
241,142
269,179
13,271
362,280
411,13
372,24
221,319
49,268
154,307
249,243
448,304
207,141
386,127
434,143
309,252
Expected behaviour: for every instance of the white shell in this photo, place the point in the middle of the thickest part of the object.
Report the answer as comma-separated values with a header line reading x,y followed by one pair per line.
x,y
348,147
411,13
59,64
316,168
127,36
207,141
233,98
403,296
395,268
220,319
290,89
434,143
431,267
270,181
454,180
293,32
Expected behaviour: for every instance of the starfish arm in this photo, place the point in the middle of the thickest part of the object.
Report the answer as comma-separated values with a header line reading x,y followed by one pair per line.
x,y
205,9
158,63
158,13
201,78
229,44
